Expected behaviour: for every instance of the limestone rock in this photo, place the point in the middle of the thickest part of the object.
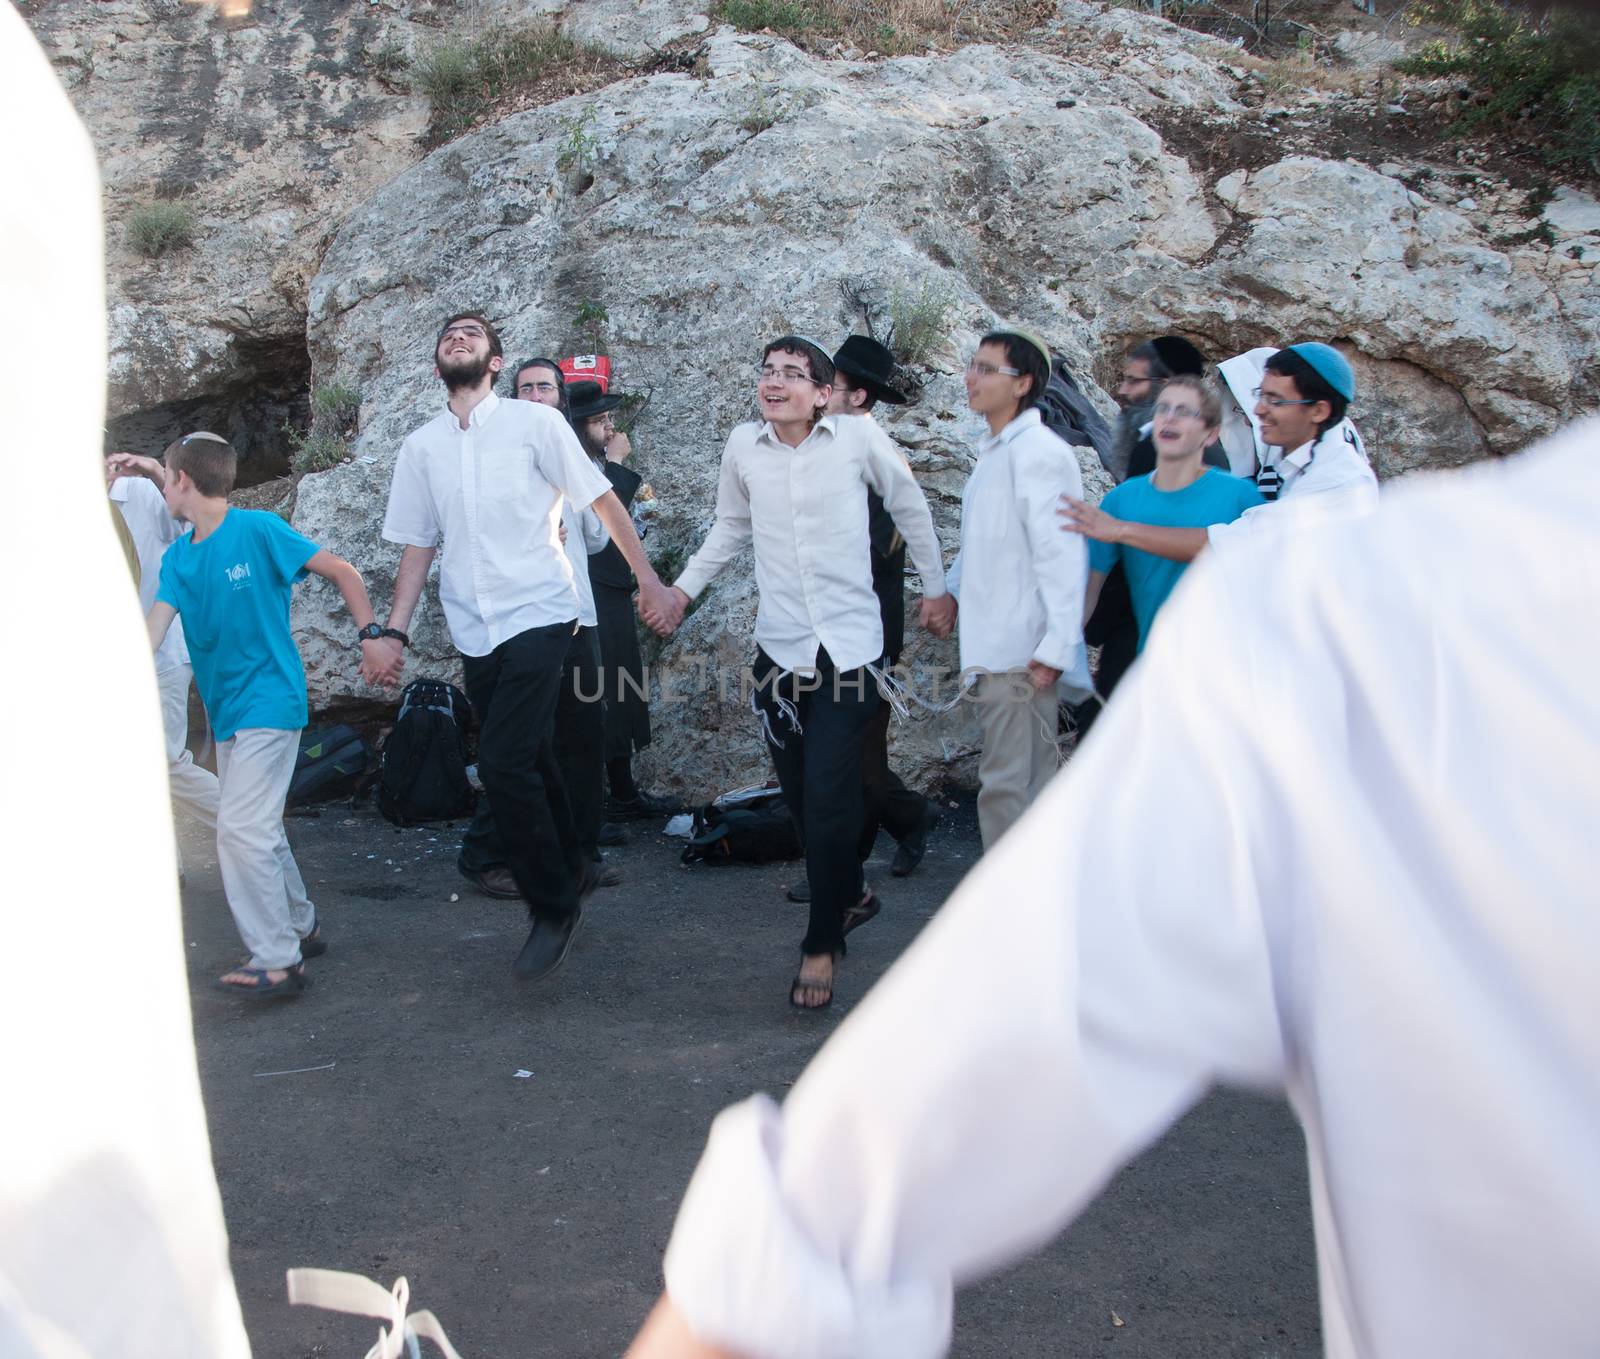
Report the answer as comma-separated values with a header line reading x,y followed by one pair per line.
x,y
707,214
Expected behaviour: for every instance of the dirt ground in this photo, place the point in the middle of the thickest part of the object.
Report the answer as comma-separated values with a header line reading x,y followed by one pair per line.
x,y
379,1123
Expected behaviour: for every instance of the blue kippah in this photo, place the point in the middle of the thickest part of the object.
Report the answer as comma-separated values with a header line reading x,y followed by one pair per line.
x,y
1330,365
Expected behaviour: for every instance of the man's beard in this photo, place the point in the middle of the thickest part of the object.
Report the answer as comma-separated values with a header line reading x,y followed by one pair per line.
x,y
595,450
1129,422
459,374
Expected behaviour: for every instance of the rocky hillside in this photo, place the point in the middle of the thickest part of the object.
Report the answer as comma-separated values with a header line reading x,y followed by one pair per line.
x,y
1103,176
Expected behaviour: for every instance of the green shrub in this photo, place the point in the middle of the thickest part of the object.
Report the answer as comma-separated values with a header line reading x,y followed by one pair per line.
x,y
1540,71
313,452
792,18
335,415
155,228
462,78
578,143
336,406
920,321
390,59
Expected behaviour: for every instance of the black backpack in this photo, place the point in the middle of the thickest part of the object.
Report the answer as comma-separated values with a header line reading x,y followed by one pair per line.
x,y
424,772
750,826
1066,411
332,762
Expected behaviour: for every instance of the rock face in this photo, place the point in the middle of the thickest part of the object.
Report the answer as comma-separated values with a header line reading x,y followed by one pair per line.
x,y
707,214
1074,185
269,130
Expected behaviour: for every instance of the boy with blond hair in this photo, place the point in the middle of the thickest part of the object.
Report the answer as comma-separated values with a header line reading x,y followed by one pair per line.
x,y
230,578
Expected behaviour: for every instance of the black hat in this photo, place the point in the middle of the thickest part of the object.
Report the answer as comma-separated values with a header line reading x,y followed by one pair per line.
x,y
1179,355
585,400
869,366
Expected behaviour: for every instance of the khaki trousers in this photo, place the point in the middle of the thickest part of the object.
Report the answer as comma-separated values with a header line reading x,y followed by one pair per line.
x,y
1019,749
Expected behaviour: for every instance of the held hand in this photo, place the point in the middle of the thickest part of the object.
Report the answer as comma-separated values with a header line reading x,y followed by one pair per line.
x,y
661,607
938,615
1078,516
562,534
382,661
1042,676
618,447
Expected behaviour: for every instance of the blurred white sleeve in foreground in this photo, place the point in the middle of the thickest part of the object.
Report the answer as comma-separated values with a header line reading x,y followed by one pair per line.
x,y
111,1234
1366,874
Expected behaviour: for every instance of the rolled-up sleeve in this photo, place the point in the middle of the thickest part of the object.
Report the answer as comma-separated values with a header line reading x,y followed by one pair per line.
x,y
1072,999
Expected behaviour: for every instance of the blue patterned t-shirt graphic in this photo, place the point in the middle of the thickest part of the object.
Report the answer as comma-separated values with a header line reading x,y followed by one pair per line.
x,y
232,591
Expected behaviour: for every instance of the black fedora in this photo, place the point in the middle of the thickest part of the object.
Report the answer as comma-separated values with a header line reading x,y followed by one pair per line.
x,y
585,400
869,366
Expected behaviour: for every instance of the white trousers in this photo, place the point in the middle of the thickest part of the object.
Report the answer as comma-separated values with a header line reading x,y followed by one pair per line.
x,y
265,890
1019,754
194,789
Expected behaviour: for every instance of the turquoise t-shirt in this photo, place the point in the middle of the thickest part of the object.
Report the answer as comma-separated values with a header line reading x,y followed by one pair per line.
x,y
1213,498
232,591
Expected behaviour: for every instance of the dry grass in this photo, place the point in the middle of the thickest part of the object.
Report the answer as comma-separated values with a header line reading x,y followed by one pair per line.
x,y
886,27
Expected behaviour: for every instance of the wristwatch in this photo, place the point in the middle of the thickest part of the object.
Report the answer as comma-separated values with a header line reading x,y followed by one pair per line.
x,y
370,633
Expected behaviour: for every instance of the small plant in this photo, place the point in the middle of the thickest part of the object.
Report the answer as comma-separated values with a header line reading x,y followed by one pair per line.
x,y
920,320
335,416
1534,70
462,79
759,114
336,406
792,18
576,152
388,60
155,228
589,326
313,452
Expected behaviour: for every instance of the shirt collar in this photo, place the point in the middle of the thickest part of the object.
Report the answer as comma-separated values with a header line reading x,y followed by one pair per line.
x,y
1026,421
1300,459
480,413
770,435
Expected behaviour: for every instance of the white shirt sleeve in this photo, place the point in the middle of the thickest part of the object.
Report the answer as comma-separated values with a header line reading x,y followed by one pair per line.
x,y
596,537
731,532
890,476
411,518
1047,470
563,463
941,1133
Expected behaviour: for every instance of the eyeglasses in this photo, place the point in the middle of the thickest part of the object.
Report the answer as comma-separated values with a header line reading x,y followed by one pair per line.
x,y
789,375
1176,412
542,387
472,332
1276,401
980,369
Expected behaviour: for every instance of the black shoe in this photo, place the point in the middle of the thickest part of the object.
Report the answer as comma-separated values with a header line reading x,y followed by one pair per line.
x,y
612,834
493,882
800,891
549,942
639,807
915,845
590,876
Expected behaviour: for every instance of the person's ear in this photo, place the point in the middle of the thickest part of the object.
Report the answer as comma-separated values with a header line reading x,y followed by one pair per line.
x,y
824,395
1321,413
496,363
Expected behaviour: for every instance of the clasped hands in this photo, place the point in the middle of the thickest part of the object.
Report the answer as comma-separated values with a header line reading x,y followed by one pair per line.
x,y
662,608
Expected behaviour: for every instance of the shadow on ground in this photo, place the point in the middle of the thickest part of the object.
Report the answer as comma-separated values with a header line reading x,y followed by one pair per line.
x,y
530,1212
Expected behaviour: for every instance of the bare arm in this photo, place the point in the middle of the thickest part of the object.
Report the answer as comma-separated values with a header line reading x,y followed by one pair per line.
x,y
1091,593
658,605
666,1335
1175,544
408,581
133,465
381,657
157,621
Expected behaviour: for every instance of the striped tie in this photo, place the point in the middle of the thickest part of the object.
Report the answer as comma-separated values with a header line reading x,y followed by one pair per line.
x,y
1268,482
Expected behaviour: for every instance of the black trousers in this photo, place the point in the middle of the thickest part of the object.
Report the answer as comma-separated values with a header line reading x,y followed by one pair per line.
x,y
524,819
1114,629
887,802
580,738
814,725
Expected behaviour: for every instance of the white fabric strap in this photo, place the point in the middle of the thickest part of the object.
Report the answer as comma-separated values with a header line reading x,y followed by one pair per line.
x,y
336,1291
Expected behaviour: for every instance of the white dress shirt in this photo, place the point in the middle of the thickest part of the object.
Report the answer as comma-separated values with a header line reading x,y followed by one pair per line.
x,y
805,509
585,535
1019,578
152,528
1341,876
1324,480
494,491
